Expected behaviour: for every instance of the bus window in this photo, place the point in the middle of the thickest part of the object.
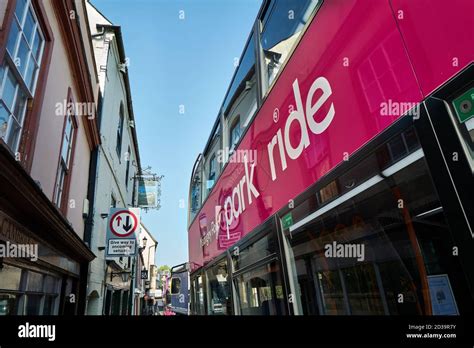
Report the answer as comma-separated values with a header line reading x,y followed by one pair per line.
x,y
241,101
260,291
397,250
198,295
282,26
195,191
265,246
218,294
175,286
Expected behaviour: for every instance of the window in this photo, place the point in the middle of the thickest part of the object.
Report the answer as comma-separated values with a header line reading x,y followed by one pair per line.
x,y
125,302
34,287
195,194
218,300
65,162
199,307
242,96
260,291
235,133
212,172
52,287
27,292
33,303
120,132
8,304
392,249
10,277
19,71
283,23
108,302
175,286
127,169
256,251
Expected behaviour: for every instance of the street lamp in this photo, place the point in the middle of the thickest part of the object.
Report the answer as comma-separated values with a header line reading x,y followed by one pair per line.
x,y
125,275
144,242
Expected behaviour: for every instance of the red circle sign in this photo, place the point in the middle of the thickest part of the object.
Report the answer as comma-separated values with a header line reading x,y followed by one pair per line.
x,y
123,228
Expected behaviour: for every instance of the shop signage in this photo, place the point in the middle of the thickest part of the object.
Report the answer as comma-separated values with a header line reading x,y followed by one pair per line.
x,y
148,192
144,274
12,231
122,232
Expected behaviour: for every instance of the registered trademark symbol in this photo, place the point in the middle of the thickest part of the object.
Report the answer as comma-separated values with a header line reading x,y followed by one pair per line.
x,y
276,115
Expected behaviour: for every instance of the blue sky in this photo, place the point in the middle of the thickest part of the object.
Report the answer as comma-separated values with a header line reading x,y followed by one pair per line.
x,y
177,62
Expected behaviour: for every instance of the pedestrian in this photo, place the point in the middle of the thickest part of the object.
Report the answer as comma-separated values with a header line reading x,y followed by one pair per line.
x,y
168,311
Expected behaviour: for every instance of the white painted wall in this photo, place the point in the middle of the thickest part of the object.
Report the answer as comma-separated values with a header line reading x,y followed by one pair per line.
x,y
50,130
111,170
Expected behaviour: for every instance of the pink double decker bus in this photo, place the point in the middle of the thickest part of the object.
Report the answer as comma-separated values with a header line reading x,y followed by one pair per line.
x,y
338,176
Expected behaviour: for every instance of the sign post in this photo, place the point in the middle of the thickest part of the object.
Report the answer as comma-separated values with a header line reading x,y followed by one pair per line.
x,y
122,232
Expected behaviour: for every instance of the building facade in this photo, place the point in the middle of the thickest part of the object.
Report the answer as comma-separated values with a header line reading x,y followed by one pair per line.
x,y
145,273
48,133
116,166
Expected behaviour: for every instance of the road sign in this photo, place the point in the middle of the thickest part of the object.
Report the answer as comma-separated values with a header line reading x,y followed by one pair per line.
x,y
123,223
122,232
287,221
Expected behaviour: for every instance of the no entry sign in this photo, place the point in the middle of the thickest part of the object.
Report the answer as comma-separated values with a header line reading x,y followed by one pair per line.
x,y
122,227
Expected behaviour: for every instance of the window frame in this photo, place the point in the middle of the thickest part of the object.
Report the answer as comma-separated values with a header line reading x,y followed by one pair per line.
x,y
66,184
195,294
234,125
221,259
212,175
266,89
196,173
29,132
17,118
120,130
175,280
127,168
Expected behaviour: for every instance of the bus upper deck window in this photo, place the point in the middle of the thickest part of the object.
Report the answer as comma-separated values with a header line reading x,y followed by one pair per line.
x,y
282,25
241,100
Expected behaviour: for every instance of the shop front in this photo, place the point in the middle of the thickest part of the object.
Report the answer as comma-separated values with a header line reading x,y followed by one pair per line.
x,y
43,262
117,289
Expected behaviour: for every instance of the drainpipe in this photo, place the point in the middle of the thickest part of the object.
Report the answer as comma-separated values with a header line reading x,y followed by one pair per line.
x,y
131,293
89,222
